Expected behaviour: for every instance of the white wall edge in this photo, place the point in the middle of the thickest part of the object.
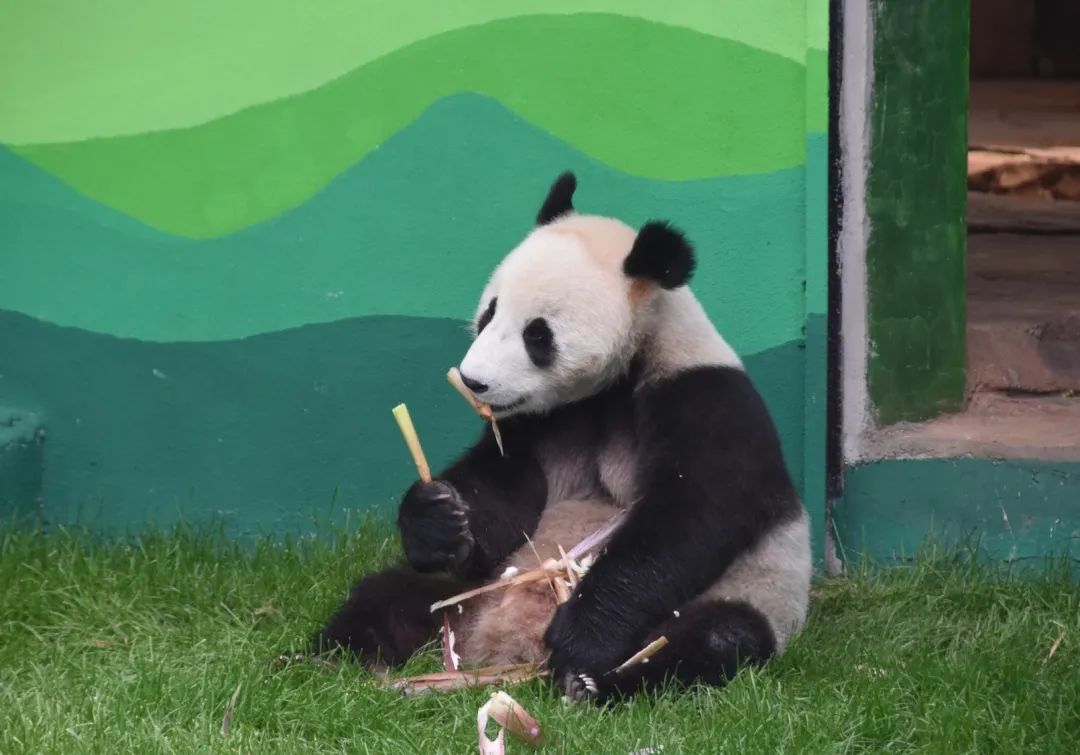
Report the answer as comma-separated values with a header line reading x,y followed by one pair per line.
x,y
854,126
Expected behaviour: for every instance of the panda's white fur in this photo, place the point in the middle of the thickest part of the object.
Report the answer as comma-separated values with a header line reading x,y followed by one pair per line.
x,y
627,399
568,273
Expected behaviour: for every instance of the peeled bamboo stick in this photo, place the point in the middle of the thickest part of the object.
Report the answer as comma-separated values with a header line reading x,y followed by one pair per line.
x,y
454,376
401,414
643,655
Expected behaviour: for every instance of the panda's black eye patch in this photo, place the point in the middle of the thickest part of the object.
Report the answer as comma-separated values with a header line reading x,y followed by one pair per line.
x,y
486,317
539,342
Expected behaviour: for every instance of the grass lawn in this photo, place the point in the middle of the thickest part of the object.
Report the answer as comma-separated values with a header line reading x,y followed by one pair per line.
x,y
116,648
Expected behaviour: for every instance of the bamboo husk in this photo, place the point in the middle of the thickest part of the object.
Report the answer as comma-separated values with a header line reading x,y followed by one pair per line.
x,y
550,569
451,660
509,714
533,575
571,575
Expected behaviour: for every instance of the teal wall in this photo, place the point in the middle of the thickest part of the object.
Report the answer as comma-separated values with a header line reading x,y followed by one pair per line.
x,y
1015,511
230,250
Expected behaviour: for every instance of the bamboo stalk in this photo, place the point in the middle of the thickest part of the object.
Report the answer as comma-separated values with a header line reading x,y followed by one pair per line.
x,y
401,414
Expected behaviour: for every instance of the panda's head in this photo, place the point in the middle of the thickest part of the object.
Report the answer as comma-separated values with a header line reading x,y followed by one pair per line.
x,y
564,313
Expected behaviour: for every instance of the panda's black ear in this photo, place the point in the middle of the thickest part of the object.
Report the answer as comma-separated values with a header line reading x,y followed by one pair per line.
x,y
560,199
661,254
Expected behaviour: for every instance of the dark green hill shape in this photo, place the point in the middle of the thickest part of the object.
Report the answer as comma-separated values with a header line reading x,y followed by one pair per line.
x,y
260,432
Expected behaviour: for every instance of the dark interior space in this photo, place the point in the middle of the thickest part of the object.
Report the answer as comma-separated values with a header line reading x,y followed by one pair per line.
x,y
1023,251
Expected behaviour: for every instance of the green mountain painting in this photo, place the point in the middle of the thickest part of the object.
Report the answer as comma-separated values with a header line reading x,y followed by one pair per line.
x,y
214,320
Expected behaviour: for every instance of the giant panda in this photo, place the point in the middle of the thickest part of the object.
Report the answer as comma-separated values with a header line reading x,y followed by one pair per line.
x,y
613,393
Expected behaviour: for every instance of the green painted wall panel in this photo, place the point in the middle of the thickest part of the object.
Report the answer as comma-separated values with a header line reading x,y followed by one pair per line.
x,y
22,463
228,254
456,190
1016,510
262,432
916,202
60,60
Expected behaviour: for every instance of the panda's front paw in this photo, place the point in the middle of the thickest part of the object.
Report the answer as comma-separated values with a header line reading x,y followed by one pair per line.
x,y
583,653
434,524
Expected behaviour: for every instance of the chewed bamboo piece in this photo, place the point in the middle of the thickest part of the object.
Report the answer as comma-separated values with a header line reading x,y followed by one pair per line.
x,y
562,588
401,414
454,376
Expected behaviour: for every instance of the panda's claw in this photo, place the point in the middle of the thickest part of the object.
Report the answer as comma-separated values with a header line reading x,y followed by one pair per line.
x,y
581,687
286,659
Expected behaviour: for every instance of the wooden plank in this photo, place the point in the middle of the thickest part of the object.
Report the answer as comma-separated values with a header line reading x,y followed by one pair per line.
x,y
1024,113
996,213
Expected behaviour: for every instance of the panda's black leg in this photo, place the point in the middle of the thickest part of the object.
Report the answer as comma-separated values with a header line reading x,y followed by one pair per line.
x,y
387,616
707,643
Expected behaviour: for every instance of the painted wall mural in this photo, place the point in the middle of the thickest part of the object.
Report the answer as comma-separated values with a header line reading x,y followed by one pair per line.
x,y
229,251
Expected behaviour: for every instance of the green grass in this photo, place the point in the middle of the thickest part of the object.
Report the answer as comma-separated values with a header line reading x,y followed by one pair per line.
x,y
138,648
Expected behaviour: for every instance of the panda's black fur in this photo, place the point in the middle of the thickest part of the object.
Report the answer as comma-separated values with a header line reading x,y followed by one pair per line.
x,y
710,489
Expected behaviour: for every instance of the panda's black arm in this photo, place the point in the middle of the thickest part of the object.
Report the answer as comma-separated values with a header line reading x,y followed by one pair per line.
x,y
712,481
503,497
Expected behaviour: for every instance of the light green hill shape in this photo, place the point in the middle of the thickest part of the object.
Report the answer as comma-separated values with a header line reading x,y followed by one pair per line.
x,y
653,101
72,71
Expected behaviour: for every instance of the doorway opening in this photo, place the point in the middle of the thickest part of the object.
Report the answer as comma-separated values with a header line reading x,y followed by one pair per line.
x,y
1022,397
1023,226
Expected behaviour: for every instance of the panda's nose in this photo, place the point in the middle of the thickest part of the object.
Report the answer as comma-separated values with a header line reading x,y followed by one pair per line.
x,y
473,385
